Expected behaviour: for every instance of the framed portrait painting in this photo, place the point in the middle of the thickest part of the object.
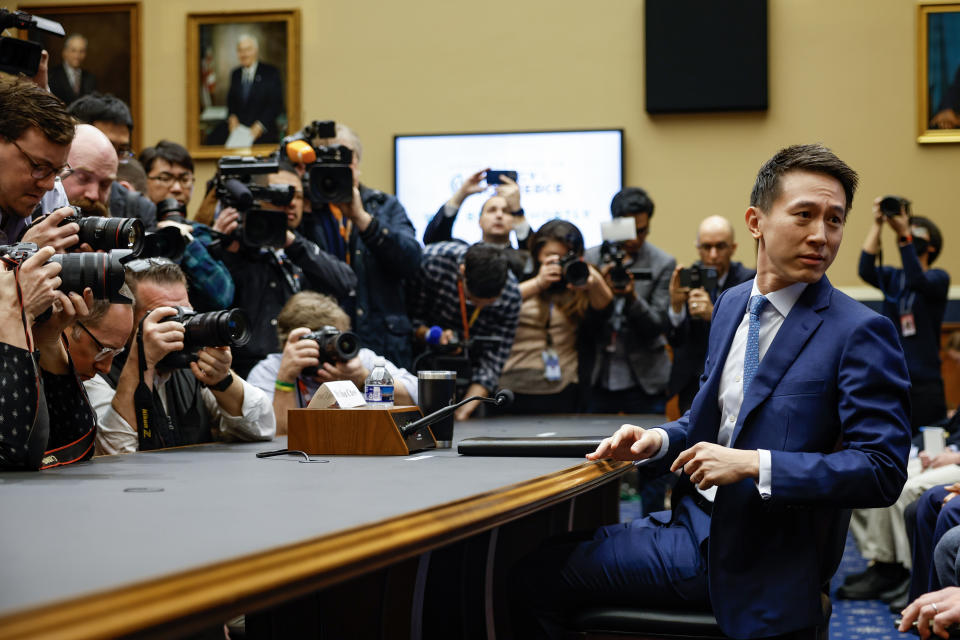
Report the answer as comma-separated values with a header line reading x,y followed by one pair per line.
x,y
243,79
938,77
101,52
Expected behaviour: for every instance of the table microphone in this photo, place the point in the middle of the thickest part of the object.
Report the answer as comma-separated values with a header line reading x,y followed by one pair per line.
x,y
502,398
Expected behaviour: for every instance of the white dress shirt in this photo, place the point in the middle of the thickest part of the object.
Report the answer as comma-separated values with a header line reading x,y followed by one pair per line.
x,y
116,435
731,379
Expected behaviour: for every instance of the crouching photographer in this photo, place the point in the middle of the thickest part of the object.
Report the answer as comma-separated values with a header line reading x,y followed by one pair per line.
x,y
267,258
173,386
314,333
45,418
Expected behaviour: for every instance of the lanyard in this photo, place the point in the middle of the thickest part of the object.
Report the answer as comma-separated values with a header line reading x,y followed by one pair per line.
x,y
286,268
463,311
905,302
345,229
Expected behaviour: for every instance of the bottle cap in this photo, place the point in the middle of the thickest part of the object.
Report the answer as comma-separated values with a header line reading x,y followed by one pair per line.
x,y
380,361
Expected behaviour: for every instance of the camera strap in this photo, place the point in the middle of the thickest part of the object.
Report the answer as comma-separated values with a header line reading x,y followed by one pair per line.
x,y
288,270
345,229
463,311
82,447
150,417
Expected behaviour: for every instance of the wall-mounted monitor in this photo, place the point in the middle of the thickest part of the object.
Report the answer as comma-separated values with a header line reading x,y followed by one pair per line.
x,y
562,174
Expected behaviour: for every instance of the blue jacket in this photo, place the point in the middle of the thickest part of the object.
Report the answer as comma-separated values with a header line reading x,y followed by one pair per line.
x,y
830,402
383,257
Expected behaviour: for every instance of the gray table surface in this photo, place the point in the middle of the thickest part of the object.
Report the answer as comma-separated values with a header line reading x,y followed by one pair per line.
x,y
122,519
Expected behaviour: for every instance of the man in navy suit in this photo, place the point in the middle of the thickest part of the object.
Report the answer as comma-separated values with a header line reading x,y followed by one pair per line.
x,y
691,309
68,81
255,97
802,414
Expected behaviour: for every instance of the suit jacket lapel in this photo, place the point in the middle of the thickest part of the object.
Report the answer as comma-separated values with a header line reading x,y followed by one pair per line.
x,y
797,328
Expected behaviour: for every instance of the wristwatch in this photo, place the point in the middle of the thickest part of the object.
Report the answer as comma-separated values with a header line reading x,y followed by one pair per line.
x,y
223,384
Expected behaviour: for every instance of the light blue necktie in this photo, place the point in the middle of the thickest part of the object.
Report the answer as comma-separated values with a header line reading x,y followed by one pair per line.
x,y
751,359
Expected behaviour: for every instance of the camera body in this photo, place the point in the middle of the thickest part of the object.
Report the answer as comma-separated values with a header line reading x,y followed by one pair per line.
x,y
23,56
258,227
575,270
104,273
228,328
613,252
329,178
104,234
890,205
335,346
698,276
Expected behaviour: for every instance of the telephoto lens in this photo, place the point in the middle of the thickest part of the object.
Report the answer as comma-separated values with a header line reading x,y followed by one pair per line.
x,y
228,328
104,234
102,272
335,346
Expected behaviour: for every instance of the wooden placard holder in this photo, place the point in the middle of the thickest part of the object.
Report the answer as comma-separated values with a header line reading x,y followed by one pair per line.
x,y
361,431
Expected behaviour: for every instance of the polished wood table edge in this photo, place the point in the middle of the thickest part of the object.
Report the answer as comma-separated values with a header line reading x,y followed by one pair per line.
x,y
269,577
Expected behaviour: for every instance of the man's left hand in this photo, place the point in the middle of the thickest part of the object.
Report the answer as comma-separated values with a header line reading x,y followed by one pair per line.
x,y
933,612
713,465
352,370
699,304
66,310
509,191
212,365
355,212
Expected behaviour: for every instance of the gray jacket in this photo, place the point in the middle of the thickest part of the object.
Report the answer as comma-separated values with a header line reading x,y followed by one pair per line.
x,y
644,322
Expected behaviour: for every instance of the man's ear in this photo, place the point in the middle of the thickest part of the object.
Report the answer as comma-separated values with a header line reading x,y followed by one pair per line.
x,y
752,218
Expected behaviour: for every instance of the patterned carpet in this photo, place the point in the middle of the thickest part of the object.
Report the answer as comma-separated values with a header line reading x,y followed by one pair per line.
x,y
852,619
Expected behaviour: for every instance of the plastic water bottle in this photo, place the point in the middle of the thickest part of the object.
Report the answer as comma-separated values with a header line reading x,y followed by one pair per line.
x,y
378,388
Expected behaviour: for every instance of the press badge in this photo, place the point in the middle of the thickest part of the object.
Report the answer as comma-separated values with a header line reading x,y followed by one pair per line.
x,y
551,365
907,326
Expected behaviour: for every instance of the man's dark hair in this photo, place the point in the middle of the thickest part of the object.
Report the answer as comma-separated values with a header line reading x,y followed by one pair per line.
x,y
101,107
936,238
23,105
485,270
801,157
631,201
166,150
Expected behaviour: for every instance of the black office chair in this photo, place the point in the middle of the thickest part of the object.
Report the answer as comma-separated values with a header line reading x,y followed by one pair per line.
x,y
620,623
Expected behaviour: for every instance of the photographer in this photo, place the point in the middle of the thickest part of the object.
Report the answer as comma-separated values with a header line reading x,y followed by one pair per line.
x,y
499,215
691,308
111,115
468,290
266,277
145,402
169,170
631,366
564,300
35,136
281,376
914,298
372,233
45,419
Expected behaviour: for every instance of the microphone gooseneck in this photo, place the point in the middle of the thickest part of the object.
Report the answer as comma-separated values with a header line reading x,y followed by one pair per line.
x,y
502,398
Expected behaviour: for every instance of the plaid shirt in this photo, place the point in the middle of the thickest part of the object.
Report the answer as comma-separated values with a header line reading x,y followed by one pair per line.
x,y
435,300
205,271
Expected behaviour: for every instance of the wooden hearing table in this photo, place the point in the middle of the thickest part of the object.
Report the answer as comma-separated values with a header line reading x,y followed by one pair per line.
x,y
166,542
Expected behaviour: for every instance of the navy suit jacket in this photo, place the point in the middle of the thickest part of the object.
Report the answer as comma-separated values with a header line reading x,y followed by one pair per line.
x,y
264,104
830,401
60,86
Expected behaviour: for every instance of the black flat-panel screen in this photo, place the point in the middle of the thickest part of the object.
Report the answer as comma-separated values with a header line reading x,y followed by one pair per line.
x,y
706,55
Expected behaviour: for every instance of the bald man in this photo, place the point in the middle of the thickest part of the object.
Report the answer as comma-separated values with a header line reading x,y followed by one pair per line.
x,y
68,81
94,162
255,98
691,309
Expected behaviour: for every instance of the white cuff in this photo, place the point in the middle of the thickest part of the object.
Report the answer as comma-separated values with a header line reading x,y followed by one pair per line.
x,y
676,318
764,481
664,447
449,210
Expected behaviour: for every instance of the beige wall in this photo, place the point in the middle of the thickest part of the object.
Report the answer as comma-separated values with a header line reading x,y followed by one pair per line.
x,y
841,72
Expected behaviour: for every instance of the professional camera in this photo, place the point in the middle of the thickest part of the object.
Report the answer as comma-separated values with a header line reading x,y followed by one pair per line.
x,y
258,227
698,276
23,56
335,346
228,328
103,234
329,177
575,270
890,205
613,252
163,243
173,210
102,272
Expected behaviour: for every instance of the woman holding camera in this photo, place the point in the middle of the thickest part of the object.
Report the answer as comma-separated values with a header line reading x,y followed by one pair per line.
x,y
562,304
